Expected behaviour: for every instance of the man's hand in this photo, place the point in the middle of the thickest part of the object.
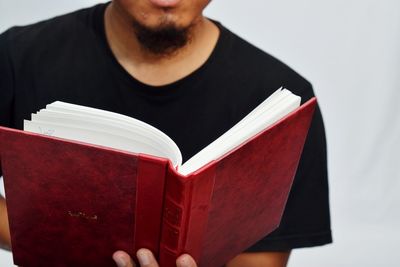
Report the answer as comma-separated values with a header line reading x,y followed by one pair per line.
x,y
146,259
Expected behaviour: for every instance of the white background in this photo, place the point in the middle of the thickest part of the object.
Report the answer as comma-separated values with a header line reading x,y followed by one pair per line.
x,y
350,51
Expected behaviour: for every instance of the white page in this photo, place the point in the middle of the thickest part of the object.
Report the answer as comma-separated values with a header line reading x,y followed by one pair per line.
x,y
271,110
99,124
104,128
262,108
115,117
94,137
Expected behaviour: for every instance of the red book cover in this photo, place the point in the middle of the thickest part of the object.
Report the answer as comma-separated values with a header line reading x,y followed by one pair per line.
x,y
74,204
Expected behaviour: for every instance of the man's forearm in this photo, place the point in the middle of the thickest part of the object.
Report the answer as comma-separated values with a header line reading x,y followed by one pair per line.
x,y
5,239
261,259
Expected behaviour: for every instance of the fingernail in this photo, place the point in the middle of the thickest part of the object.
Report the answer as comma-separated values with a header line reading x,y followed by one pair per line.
x,y
143,257
183,261
120,262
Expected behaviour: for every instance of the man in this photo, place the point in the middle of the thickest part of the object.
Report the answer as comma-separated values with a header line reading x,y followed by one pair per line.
x,y
163,62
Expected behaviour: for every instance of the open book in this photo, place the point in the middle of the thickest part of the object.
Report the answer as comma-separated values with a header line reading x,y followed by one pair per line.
x,y
81,183
114,130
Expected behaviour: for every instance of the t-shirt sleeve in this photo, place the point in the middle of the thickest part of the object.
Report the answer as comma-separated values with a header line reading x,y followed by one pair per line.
x,y
6,84
306,219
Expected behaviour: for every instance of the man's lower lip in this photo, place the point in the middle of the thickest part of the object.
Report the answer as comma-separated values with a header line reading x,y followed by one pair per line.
x,y
165,3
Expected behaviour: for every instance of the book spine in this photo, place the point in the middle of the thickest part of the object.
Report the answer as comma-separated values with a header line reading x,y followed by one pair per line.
x,y
185,214
148,222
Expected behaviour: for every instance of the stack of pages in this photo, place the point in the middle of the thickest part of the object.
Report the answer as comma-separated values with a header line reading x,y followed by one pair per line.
x,y
99,127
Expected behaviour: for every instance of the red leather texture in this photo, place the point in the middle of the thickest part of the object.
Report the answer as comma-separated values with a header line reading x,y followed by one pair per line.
x,y
73,204
251,188
186,210
248,188
149,202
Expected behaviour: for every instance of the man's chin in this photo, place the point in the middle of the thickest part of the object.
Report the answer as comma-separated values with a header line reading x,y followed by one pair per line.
x,y
163,39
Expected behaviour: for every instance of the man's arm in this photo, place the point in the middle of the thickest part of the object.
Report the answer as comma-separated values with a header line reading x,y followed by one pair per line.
x,y
5,239
260,259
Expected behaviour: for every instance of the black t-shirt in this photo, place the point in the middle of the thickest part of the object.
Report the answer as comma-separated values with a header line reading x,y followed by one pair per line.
x,y
68,59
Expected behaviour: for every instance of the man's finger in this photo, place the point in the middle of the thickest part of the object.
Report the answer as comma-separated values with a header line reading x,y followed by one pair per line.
x,y
185,261
122,259
146,258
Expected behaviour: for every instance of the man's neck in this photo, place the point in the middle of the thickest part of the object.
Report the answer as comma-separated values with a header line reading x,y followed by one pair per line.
x,y
154,69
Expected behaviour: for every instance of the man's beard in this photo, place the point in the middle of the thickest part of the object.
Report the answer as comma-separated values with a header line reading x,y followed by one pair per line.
x,y
165,40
